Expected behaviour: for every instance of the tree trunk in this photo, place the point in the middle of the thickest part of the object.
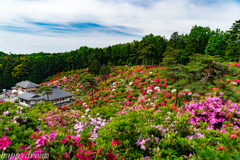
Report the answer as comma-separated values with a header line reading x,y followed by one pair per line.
x,y
176,98
92,98
47,97
105,79
159,62
152,60
136,61
146,60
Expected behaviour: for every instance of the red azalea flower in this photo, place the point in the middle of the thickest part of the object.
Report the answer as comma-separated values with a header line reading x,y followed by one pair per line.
x,y
163,104
165,85
115,142
221,148
185,101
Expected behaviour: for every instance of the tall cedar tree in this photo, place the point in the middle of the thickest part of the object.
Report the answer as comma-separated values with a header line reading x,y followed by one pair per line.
x,y
172,71
94,68
233,41
90,84
104,72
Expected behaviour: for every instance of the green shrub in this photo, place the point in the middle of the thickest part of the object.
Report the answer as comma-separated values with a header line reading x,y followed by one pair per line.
x,y
137,126
126,80
233,99
232,84
169,87
238,76
134,94
150,75
170,82
106,111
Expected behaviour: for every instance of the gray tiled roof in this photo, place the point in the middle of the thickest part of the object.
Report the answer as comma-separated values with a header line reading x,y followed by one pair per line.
x,y
27,84
58,93
29,96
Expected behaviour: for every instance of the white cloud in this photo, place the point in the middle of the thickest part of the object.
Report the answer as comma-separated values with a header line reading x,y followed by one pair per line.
x,y
161,17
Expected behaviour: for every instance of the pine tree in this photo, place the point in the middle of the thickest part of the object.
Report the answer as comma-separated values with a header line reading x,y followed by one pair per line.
x,y
104,72
233,42
94,67
89,83
173,70
46,90
202,71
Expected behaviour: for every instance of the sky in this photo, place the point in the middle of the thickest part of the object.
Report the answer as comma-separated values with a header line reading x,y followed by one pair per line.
x,y
52,26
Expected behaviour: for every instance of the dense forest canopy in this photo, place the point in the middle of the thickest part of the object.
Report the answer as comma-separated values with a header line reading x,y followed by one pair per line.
x,y
150,50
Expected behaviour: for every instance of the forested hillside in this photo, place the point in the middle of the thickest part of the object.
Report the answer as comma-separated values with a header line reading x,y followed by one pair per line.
x,y
150,50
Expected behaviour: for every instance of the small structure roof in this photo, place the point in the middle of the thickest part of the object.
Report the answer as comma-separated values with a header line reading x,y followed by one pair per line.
x,y
27,84
30,97
58,93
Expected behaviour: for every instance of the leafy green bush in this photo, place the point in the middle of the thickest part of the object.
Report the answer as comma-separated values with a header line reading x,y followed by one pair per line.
x,y
134,94
106,111
238,76
126,80
140,132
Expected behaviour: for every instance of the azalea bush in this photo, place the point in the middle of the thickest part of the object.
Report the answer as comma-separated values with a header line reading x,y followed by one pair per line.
x,y
17,123
213,109
140,132
58,145
58,119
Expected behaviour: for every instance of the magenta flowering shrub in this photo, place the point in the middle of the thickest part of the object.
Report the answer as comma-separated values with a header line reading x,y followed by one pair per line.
x,y
57,145
62,119
95,123
214,110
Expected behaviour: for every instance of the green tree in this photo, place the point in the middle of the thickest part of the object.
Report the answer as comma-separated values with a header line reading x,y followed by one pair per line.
x,y
115,53
133,56
217,44
173,71
173,41
197,42
104,72
90,84
45,90
233,42
107,54
160,47
21,71
145,50
94,68
202,71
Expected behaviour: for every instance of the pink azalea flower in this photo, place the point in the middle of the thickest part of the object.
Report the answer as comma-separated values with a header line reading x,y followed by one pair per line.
x,y
163,104
115,142
41,141
4,143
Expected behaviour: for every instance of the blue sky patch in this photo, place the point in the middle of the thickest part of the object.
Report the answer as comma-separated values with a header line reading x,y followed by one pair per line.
x,y
48,28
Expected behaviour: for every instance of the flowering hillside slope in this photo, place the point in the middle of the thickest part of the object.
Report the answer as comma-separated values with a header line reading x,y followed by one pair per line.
x,y
124,125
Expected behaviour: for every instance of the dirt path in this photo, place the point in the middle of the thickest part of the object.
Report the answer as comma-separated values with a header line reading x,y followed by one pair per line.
x,y
140,96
